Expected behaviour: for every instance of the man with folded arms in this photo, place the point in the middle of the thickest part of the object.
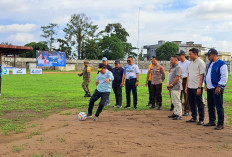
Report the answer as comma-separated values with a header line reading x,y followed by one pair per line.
x,y
215,80
175,87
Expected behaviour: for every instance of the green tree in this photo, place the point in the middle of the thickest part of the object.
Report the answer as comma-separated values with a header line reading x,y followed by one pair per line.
x,y
165,51
78,30
5,43
140,57
36,46
48,33
65,46
112,48
92,49
129,50
116,29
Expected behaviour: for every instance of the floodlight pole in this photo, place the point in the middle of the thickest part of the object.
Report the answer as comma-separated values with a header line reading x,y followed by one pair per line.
x,y
138,40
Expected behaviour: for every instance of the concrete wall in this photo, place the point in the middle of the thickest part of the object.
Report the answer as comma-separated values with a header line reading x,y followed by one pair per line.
x,y
71,65
74,65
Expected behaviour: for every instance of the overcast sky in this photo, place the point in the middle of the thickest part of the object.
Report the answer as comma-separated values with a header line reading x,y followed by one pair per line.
x,y
207,22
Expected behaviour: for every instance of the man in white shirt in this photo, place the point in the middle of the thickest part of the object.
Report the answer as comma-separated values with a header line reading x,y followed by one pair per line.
x,y
215,80
194,87
131,74
184,64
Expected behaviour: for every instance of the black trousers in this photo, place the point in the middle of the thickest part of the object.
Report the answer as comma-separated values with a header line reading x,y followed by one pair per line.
x,y
213,101
118,95
130,86
196,103
150,93
96,95
156,90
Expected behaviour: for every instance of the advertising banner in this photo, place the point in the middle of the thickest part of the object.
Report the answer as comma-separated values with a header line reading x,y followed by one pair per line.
x,y
51,58
5,71
36,71
18,71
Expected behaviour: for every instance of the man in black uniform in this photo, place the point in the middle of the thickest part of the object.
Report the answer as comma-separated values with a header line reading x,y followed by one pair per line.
x,y
118,73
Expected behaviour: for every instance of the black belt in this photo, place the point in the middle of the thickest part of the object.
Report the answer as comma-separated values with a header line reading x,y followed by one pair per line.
x,y
131,79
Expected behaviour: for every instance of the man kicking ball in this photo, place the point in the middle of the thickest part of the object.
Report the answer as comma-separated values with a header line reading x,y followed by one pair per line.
x,y
104,84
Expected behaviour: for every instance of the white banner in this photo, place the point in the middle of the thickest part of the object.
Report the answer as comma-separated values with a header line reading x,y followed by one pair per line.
x,y
17,71
5,71
143,71
36,71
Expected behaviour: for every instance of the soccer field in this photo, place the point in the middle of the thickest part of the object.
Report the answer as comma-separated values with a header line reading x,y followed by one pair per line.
x,y
27,97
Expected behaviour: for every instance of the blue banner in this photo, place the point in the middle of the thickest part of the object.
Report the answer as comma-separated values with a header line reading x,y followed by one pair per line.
x,y
51,58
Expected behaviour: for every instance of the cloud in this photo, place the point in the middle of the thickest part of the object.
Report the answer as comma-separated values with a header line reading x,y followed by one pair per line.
x,y
21,38
17,28
206,22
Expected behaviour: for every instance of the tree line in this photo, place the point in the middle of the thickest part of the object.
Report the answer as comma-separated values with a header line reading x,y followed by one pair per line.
x,y
84,40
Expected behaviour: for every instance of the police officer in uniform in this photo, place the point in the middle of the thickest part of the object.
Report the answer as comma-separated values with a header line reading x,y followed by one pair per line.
x,y
86,78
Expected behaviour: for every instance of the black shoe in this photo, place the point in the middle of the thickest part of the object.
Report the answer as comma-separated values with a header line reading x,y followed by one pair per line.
x,y
148,105
89,95
135,107
191,121
171,109
177,118
86,95
210,124
159,108
219,127
172,116
200,123
186,114
152,107
127,107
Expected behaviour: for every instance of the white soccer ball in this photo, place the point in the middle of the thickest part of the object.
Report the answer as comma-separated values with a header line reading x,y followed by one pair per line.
x,y
82,116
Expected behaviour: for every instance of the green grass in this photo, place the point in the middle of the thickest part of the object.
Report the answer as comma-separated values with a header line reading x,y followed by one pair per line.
x,y
17,148
28,97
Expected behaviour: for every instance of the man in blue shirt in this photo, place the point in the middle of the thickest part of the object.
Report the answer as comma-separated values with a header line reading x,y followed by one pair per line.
x,y
118,73
131,74
105,61
104,83
215,80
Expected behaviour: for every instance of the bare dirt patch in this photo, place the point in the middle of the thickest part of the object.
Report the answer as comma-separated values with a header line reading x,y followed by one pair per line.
x,y
123,133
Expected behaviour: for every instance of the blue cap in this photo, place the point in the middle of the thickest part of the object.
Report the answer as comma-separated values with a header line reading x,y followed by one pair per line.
x,y
104,59
212,51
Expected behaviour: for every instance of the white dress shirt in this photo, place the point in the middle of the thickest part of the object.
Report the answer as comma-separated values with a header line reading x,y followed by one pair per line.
x,y
184,66
224,76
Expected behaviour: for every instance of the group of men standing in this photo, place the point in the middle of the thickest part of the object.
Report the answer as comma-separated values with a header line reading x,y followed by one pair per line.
x,y
188,78
185,79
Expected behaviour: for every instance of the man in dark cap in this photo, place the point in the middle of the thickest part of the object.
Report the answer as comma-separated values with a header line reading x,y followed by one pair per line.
x,y
86,77
184,64
104,83
118,73
215,83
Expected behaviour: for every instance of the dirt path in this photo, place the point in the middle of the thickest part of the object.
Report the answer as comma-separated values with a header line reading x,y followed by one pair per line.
x,y
124,133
